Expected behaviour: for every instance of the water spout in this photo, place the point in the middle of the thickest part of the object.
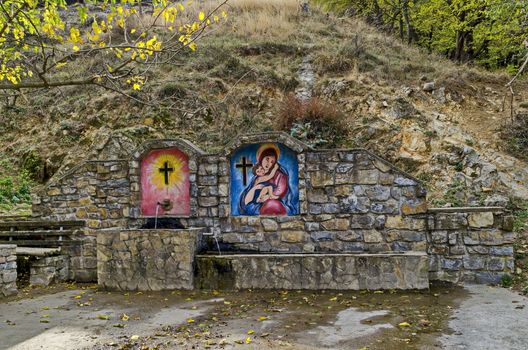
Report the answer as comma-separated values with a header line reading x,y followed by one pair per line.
x,y
217,245
156,217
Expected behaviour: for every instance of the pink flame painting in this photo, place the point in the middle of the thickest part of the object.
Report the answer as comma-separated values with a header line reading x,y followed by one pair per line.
x,y
165,179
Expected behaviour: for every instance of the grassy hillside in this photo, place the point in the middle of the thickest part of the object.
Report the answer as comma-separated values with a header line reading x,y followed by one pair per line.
x,y
368,92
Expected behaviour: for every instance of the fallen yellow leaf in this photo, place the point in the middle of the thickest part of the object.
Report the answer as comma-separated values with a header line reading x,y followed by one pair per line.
x,y
190,320
333,299
248,340
250,331
77,297
263,318
134,337
125,317
102,317
404,324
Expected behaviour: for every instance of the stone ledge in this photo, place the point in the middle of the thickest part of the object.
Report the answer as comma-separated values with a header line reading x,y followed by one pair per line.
x,y
465,210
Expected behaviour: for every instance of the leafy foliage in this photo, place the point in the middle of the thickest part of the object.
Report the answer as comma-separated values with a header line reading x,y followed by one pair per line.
x,y
118,40
490,32
14,189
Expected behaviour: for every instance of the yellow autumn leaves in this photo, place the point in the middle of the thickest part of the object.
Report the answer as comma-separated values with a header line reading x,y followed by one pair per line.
x,y
41,27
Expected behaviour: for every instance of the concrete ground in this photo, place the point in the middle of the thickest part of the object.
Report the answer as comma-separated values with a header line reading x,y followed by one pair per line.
x,y
446,317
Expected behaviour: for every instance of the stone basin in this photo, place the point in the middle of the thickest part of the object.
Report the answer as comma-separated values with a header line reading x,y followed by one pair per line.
x,y
344,271
146,259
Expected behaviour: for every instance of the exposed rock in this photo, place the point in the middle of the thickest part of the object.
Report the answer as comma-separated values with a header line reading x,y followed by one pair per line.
x,y
428,87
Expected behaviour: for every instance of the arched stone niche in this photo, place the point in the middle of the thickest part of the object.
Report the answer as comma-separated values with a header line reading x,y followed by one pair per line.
x,y
163,178
264,176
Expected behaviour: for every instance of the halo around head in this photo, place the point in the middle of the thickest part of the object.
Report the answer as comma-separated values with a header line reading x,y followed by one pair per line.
x,y
266,146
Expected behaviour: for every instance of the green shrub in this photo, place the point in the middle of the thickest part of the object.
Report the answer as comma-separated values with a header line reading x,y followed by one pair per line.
x,y
506,280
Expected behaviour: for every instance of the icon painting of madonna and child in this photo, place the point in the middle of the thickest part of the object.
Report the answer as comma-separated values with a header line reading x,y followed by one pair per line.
x,y
264,181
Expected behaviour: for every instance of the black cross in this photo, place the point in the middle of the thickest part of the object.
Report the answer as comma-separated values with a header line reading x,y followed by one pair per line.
x,y
166,170
244,165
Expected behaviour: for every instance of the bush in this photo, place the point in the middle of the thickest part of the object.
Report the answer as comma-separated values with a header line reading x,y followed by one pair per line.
x,y
314,121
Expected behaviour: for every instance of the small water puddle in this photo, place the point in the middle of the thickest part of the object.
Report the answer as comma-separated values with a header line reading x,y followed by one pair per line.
x,y
350,325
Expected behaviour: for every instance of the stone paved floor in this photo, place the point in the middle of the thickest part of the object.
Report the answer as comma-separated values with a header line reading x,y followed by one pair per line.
x,y
81,317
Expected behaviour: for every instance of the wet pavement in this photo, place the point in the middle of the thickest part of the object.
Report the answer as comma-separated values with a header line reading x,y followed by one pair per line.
x,y
445,317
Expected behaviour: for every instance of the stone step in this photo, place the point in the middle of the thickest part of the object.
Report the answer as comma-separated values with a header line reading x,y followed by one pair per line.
x,y
407,270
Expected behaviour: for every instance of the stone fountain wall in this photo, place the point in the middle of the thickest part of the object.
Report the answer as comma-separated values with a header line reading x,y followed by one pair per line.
x,y
350,201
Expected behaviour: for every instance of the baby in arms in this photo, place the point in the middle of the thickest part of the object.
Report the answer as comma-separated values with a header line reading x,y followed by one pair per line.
x,y
262,189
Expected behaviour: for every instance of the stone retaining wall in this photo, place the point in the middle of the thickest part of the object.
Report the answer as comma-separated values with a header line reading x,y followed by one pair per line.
x,y
313,271
146,260
470,244
8,269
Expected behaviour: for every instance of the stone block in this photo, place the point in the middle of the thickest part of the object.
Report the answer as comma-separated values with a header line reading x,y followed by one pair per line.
x,y
477,249
482,219
451,264
269,225
491,237
412,236
9,276
336,224
372,236
502,251
398,246
292,225
399,222
496,264
439,237
488,277
350,236
292,236
377,192
311,226
321,179
412,207
317,196
209,201
471,238
318,236
474,262
450,221
366,177
405,181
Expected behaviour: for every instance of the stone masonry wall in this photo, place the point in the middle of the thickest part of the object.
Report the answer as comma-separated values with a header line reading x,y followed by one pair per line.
x,y
8,269
470,244
146,260
350,200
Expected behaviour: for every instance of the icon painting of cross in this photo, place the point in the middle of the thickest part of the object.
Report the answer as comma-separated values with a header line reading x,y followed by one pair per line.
x,y
243,166
166,170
